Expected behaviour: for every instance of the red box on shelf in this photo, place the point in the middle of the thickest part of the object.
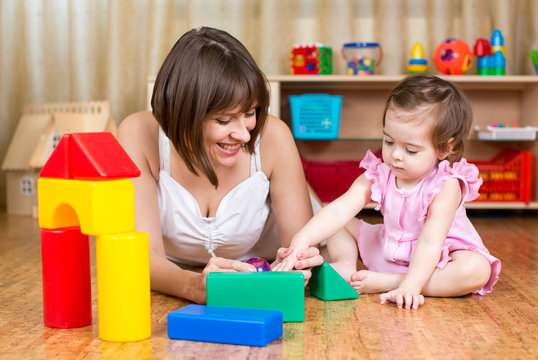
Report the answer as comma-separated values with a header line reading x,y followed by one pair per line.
x,y
506,177
330,179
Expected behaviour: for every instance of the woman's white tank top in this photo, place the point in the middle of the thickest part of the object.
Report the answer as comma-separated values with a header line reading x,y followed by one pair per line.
x,y
242,227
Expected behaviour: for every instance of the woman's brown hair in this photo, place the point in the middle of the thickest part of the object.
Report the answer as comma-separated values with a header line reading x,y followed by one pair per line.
x,y
207,71
450,107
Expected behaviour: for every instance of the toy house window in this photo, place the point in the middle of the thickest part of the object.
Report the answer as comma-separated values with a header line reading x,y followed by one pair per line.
x,y
56,137
27,186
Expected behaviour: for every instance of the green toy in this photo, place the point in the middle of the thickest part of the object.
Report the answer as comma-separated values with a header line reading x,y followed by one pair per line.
x,y
283,291
328,285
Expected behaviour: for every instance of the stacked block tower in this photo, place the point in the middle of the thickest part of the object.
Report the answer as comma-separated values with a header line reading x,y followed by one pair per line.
x,y
84,189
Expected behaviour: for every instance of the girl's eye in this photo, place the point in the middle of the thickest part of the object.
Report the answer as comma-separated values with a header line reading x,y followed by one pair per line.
x,y
412,152
251,113
388,142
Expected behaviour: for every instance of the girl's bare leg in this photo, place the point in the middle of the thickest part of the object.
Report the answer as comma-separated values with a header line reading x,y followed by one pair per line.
x,y
468,271
343,253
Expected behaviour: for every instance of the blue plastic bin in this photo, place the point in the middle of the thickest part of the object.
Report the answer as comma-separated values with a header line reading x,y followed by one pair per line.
x,y
315,116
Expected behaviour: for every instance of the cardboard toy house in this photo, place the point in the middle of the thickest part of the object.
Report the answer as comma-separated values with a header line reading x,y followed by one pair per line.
x,y
38,132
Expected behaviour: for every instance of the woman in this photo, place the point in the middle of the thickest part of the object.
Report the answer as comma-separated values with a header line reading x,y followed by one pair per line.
x,y
221,179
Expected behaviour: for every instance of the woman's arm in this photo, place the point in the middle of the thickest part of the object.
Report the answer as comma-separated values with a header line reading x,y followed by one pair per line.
x,y
138,134
429,245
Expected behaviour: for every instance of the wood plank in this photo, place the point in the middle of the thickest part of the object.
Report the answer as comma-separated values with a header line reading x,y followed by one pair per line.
x,y
500,325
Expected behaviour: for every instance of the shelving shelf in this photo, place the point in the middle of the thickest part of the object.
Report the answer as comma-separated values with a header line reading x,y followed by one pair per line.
x,y
494,100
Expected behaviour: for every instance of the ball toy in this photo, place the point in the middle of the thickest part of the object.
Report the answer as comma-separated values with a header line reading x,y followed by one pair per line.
x,y
259,263
453,57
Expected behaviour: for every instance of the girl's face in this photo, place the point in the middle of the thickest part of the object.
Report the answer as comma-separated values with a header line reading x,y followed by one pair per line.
x,y
407,145
225,132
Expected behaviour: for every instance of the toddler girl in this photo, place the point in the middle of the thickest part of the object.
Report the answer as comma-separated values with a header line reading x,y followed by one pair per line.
x,y
426,244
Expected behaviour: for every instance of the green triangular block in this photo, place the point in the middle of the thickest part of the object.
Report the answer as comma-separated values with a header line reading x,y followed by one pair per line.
x,y
328,285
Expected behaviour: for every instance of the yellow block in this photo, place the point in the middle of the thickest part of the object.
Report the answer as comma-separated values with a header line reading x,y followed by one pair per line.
x,y
98,207
123,286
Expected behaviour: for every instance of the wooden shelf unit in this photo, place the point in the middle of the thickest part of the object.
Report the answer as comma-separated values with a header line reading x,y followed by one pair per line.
x,y
494,100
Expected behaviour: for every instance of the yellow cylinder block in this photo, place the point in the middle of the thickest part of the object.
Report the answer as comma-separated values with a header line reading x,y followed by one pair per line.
x,y
123,286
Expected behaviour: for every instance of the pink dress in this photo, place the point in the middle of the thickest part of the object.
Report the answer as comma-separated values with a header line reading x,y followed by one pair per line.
x,y
388,247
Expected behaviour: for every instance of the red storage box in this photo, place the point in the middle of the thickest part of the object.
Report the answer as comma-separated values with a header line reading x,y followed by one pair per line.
x,y
330,179
507,176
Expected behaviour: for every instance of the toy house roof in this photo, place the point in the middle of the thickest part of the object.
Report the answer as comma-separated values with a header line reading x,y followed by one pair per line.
x,y
22,146
89,156
40,126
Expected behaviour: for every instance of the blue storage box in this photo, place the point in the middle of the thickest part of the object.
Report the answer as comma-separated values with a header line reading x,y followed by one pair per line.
x,y
315,116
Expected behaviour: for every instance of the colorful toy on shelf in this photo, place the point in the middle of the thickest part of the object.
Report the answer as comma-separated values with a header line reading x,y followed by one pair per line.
x,y
362,58
269,290
311,59
259,263
84,190
534,58
491,56
225,325
417,63
453,57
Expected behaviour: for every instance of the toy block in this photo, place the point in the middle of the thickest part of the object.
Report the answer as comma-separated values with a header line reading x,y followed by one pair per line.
x,y
102,207
89,156
328,285
282,291
65,255
225,325
123,286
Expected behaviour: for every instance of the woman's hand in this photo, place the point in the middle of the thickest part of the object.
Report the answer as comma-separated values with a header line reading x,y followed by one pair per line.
x,y
216,264
403,296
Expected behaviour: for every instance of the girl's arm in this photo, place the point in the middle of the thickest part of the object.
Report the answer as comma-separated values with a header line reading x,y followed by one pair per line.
x,y
138,134
429,245
290,199
330,219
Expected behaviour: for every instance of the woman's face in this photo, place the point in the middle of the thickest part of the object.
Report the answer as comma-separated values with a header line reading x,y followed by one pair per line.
x,y
225,133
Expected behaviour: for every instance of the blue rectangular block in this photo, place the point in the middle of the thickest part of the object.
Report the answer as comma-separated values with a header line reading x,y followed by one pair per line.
x,y
225,325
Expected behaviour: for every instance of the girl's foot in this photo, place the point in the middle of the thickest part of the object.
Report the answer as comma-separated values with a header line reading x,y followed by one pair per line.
x,y
369,282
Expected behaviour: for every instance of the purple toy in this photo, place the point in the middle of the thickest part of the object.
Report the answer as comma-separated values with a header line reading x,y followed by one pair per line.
x,y
259,263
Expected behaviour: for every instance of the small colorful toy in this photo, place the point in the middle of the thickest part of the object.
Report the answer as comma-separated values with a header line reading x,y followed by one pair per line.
x,y
453,57
417,64
311,59
259,263
362,58
491,57
225,325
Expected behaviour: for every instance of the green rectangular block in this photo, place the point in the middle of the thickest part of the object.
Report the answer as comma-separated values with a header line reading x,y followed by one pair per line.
x,y
266,290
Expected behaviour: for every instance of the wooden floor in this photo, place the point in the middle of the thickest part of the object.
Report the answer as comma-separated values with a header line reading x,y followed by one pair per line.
x,y
501,325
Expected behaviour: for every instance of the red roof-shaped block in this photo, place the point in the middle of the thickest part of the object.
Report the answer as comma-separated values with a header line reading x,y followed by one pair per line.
x,y
89,156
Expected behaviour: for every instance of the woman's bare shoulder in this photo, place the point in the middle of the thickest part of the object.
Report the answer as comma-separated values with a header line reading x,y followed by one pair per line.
x,y
138,133
276,143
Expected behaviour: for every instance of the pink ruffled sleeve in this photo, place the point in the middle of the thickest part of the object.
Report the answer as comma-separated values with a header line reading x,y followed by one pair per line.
x,y
371,165
466,173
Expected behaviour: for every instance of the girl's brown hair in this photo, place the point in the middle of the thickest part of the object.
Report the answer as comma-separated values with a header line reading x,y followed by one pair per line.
x,y
207,71
449,107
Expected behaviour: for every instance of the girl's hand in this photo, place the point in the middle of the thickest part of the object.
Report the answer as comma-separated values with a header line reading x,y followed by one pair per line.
x,y
403,296
295,257
307,259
